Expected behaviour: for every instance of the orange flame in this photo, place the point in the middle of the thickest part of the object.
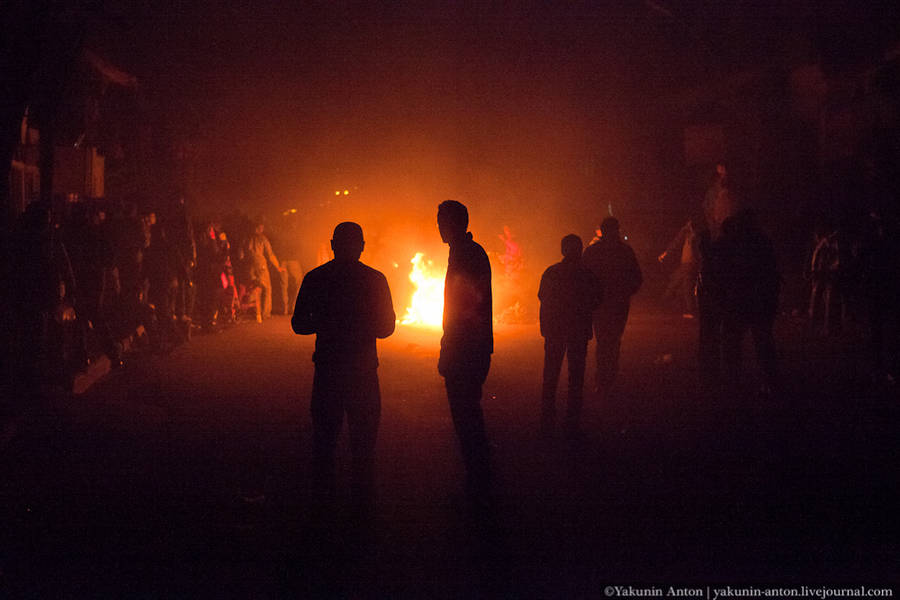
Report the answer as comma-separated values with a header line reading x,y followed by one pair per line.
x,y
427,303
512,258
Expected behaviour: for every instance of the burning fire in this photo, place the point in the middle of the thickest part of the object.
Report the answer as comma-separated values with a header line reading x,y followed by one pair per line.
x,y
427,304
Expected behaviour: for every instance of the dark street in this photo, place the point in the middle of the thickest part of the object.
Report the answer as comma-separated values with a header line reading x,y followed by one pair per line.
x,y
446,203
187,475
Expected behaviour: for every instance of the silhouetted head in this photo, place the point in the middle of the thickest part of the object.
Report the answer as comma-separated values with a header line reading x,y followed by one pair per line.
x,y
731,227
571,246
347,241
453,220
610,227
259,227
740,224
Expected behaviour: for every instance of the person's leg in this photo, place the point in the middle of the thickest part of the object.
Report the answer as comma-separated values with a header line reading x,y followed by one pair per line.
x,y
256,294
554,351
672,287
576,353
764,341
827,310
464,396
608,331
327,411
363,417
813,308
709,351
265,282
732,337
689,297
600,352
677,285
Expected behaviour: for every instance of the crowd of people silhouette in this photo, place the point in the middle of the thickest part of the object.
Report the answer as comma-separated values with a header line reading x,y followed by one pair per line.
x,y
727,278
347,305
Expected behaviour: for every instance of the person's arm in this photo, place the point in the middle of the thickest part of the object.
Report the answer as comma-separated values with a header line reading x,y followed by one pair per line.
x,y
304,320
484,277
385,318
542,289
676,243
270,255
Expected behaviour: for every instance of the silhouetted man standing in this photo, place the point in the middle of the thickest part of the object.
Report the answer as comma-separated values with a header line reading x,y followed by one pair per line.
x,y
749,282
614,264
569,293
467,343
347,305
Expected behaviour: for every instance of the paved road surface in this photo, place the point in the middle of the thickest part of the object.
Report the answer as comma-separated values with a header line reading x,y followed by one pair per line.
x,y
186,476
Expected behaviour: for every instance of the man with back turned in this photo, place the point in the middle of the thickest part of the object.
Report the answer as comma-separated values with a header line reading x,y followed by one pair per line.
x,y
467,344
347,305
613,262
569,293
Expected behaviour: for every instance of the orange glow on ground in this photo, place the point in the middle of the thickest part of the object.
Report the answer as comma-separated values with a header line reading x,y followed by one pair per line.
x,y
426,307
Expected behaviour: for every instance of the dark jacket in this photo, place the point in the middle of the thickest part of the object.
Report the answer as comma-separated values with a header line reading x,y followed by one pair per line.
x,y
347,305
468,321
744,271
569,293
615,265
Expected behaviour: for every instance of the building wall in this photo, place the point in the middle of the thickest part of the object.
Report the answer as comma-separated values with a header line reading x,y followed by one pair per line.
x,y
24,172
78,173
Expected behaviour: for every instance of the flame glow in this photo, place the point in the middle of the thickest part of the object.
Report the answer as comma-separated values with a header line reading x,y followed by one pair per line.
x,y
427,304
512,258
